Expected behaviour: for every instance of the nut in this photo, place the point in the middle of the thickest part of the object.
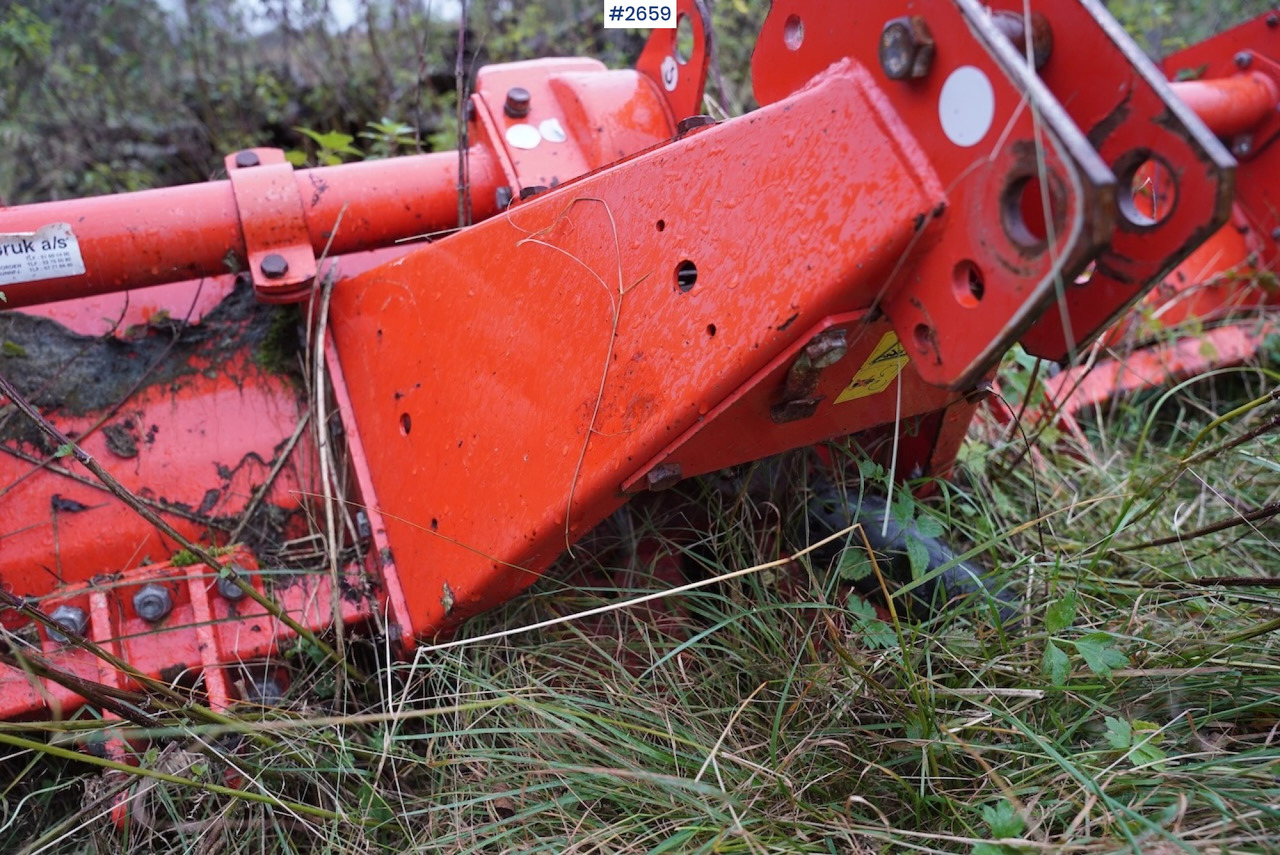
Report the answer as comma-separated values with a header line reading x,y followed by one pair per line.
x,y
246,159
153,602
71,618
906,48
274,266
227,586
518,102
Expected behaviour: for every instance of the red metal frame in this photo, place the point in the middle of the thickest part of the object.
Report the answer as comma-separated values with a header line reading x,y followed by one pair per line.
x,y
641,299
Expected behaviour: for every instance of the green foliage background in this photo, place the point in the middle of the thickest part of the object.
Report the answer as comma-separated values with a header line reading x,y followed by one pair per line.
x,y
100,96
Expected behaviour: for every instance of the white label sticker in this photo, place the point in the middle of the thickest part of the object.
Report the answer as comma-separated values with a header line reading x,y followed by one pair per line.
x,y
523,136
967,106
552,131
50,252
670,73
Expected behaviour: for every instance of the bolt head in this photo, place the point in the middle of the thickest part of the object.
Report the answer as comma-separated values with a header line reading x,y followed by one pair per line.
x,y
664,476
153,602
689,124
1243,146
1244,59
246,159
274,266
518,102
227,587
906,48
71,618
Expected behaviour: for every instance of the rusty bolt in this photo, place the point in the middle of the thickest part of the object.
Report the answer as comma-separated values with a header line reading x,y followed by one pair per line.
x,y
71,618
518,99
152,602
1243,59
227,586
1014,27
245,159
691,123
827,349
664,476
906,48
274,266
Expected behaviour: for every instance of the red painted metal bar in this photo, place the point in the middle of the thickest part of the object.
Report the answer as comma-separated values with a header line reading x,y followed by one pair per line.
x,y
1230,105
157,236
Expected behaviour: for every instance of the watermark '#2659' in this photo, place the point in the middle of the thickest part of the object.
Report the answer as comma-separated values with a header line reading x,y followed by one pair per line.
x,y
637,13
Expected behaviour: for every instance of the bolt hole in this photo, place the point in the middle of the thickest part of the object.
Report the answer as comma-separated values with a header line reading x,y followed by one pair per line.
x,y
662,225
684,39
711,330
793,32
924,336
1148,191
968,284
406,424
1022,210
686,275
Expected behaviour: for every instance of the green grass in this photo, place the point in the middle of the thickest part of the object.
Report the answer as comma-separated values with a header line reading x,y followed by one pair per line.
x,y
1135,708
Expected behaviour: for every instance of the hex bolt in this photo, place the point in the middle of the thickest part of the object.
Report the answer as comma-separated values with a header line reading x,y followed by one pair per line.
x,y
906,48
1243,59
518,100
227,586
664,476
71,618
274,266
827,349
502,198
532,190
1013,26
152,602
245,159
364,531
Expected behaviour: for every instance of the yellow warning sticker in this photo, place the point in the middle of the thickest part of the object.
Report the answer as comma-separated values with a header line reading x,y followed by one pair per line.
x,y
880,369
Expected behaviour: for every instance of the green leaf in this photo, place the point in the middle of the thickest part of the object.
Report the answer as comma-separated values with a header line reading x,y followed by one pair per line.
x,y
869,470
1002,819
296,157
1061,613
918,554
373,805
876,633
1056,665
1119,733
65,450
855,564
929,526
1099,653
904,507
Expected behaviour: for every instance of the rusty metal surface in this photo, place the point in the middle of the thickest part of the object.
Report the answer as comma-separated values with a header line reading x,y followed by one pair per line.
x,y
995,270
1140,129
520,373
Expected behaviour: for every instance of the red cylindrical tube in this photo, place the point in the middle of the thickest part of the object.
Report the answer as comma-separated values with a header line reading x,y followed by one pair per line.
x,y
151,237
1230,105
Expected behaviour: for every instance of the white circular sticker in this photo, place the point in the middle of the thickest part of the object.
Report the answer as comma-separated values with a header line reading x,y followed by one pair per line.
x,y
967,106
523,136
551,130
670,73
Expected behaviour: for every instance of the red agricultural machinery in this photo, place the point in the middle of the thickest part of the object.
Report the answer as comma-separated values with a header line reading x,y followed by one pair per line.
x,y
602,293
